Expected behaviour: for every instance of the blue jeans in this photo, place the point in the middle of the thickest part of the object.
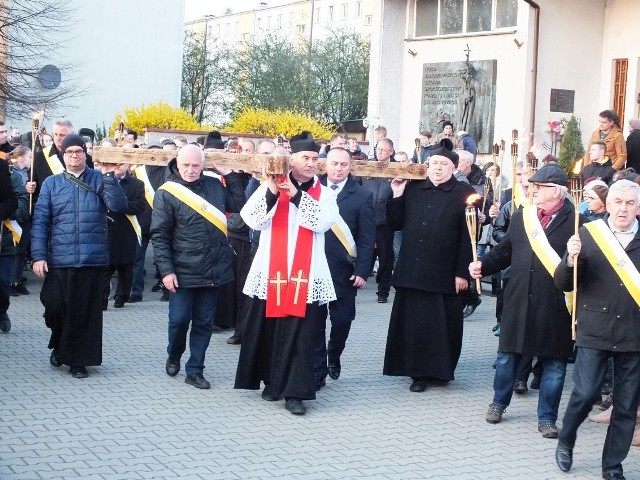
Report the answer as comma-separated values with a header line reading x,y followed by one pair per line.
x,y
138,268
588,374
196,306
553,373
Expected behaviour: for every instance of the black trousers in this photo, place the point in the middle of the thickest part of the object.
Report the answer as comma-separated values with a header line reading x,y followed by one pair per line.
x,y
384,252
588,374
341,313
125,281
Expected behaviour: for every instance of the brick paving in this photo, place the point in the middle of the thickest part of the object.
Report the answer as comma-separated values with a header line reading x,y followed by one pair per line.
x,y
129,420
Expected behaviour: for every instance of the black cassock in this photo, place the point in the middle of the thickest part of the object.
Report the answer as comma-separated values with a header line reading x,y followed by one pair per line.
x,y
278,352
425,329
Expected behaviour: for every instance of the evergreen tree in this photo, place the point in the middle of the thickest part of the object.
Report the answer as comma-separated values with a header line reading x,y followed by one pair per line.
x,y
571,148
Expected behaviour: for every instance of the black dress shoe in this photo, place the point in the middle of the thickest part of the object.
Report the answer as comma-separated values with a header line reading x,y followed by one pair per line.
x,y
198,381
295,406
78,372
334,370
320,382
382,299
266,395
613,476
520,386
418,386
54,361
469,309
564,457
135,298
118,304
173,366
234,340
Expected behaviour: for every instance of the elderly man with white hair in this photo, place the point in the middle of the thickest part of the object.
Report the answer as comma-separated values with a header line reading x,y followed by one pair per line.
x,y
609,293
191,251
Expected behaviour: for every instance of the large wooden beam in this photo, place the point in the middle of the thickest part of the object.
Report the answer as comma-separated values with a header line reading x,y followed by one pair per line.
x,y
277,165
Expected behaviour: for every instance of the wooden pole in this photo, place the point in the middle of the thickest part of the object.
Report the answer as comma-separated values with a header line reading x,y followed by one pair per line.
x,y
277,165
35,127
576,194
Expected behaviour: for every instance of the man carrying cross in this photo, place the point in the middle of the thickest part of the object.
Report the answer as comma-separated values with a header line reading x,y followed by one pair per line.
x,y
289,280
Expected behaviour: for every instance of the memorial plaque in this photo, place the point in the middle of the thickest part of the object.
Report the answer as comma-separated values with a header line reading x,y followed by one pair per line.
x,y
562,100
465,93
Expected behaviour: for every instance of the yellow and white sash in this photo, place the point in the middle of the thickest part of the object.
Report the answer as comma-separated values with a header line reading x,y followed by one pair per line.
x,y
519,198
541,246
617,257
53,161
15,229
136,227
149,192
343,232
198,204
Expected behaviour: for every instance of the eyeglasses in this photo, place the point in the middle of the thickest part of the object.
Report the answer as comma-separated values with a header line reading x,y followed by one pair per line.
x,y
74,153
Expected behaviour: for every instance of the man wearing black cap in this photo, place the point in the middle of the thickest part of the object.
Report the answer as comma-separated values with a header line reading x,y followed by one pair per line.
x,y
69,248
289,280
425,329
535,317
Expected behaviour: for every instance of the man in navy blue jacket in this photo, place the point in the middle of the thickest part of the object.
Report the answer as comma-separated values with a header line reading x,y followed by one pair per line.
x,y
349,250
69,249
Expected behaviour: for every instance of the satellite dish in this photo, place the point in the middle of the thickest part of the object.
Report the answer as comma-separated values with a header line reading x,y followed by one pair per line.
x,y
49,76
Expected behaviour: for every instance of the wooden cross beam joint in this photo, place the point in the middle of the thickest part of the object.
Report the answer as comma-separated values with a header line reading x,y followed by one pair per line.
x,y
272,164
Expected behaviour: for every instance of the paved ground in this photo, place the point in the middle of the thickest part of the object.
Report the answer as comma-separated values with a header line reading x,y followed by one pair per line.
x,y
129,420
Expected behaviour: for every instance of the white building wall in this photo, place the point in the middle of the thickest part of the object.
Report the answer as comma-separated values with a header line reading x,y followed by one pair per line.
x,y
121,56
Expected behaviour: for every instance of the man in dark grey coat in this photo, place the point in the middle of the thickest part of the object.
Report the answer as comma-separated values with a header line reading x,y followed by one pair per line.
x,y
188,232
535,319
608,325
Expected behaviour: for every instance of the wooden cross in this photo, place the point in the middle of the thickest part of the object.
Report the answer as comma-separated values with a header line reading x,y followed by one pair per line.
x,y
273,164
298,280
278,281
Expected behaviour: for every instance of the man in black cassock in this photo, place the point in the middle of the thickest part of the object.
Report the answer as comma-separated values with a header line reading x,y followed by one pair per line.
x,y
425,330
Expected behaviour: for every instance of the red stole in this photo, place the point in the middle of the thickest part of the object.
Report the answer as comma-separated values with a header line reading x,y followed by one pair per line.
x,y
287,291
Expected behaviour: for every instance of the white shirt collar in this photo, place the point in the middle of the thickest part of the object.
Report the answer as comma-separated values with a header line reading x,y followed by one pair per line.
x,y
340,185
633,229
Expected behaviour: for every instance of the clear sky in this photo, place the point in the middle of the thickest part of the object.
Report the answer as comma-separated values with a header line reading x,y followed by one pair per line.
x,y
195,9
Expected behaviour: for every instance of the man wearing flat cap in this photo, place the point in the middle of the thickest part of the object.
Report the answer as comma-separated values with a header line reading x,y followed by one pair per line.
x,y
535,316
70,251
289,280
425,329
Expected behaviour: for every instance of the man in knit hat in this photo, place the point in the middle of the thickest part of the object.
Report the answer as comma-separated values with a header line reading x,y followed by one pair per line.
x,y
69,250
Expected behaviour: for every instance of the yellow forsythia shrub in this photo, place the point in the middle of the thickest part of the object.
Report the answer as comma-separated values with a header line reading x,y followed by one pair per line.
x,y
155,115
279,122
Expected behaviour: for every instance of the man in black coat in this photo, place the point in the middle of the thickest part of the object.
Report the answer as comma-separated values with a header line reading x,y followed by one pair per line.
x,y
608,324
535,319
349,250
600,167
8,206
188,232
125,235
425,329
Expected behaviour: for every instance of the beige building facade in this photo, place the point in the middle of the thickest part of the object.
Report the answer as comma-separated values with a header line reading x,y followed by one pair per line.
x,y
550,59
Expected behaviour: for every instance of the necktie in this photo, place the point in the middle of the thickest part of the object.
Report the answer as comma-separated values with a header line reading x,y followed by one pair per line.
x,y
334,187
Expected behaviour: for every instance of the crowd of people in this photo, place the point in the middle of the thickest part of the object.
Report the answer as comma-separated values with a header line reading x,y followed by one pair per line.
x,y
274,256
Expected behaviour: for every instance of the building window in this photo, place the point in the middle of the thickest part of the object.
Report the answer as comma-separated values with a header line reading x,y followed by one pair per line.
x,y
454,17
290,20
358,9
259,23
301,29
368,20
620,86
316,15
345,11
268,23
331,13
280,21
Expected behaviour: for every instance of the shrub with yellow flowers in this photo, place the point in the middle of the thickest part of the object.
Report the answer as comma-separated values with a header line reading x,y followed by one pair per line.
x,y
278,122
155,115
